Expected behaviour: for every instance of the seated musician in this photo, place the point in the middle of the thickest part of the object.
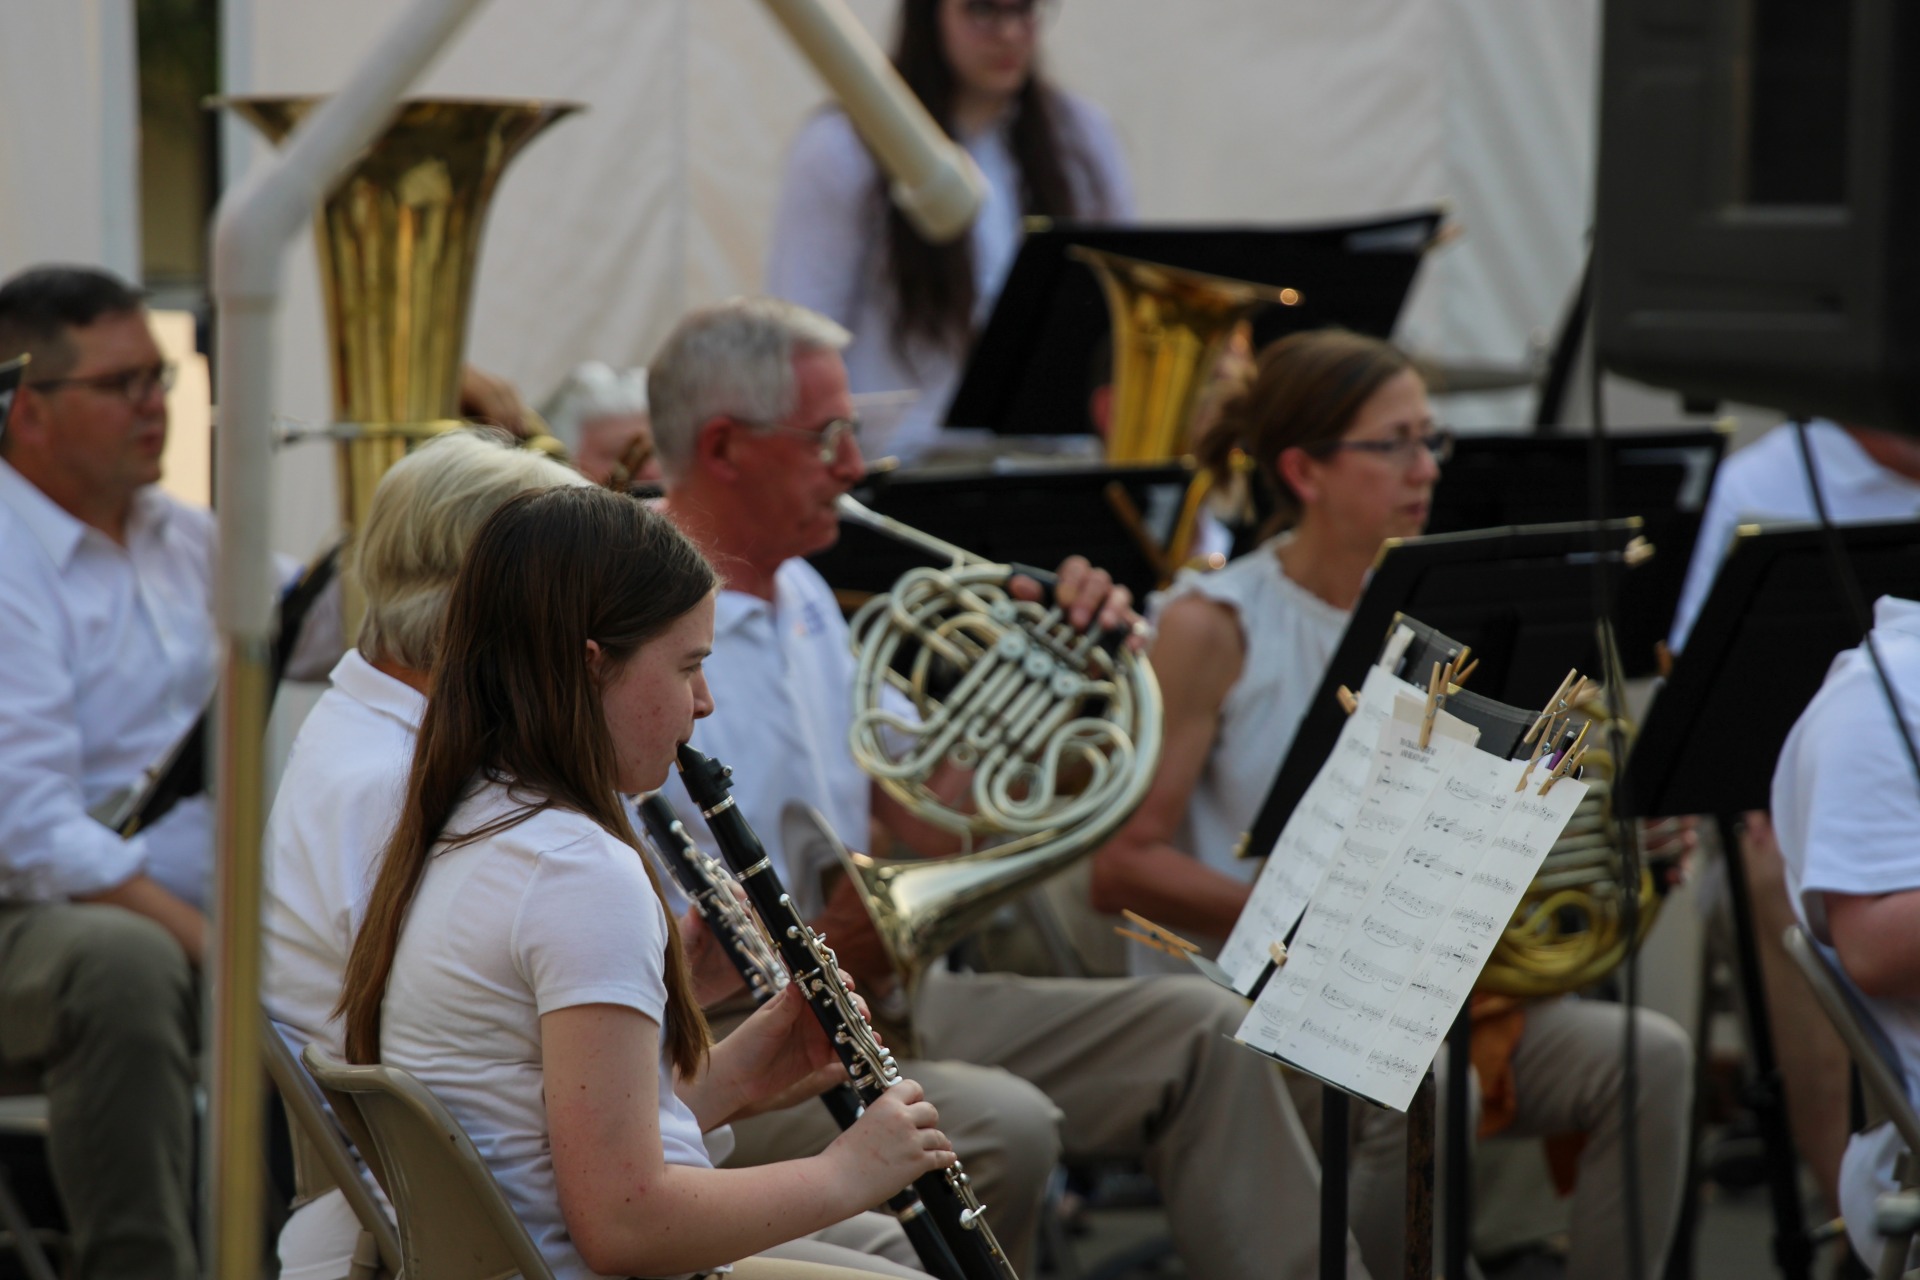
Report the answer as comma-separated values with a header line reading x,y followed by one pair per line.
x,y
106,610
753,420
517,956
345,779
1846,804
1342,437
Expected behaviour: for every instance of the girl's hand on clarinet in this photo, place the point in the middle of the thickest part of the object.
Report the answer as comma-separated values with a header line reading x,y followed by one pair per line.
x,y
896,1141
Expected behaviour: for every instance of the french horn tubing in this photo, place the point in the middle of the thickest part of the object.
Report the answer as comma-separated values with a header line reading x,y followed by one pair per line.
x,y
1059,730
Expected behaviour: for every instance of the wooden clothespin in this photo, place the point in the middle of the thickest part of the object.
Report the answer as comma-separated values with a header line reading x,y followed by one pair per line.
x,y
1460,676
1579,691
1553,706
1436,698
1348,703
1159,937
1278,951
1568,760
1539,749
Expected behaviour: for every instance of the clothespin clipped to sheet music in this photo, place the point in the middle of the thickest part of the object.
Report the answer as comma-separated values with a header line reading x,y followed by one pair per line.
x,y
1539,749
1555,705
1348,703
1436,698
1243,847
1569,760
1459,677
1157,936
1277,951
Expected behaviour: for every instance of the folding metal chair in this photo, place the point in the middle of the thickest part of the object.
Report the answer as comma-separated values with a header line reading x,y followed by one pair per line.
x,y
23,1111
322,1161
1880,1076
454,1222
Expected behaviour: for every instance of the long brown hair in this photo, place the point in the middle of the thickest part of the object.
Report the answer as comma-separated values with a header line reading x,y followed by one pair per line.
x,y
1305,392
514,701
933,293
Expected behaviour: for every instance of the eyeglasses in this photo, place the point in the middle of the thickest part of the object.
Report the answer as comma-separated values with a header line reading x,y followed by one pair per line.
x,y
987,15
132,385
1400,449
829,438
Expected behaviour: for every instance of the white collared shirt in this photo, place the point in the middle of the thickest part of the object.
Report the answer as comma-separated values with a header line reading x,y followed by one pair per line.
x,y
782,675
109,657
1846,809
1767,482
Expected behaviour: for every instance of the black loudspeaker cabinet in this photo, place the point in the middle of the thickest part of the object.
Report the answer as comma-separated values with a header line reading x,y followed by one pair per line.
x,y
1759,193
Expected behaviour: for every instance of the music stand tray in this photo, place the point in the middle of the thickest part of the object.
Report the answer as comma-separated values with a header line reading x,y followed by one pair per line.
x,y
1771,626
1522,597
1034,366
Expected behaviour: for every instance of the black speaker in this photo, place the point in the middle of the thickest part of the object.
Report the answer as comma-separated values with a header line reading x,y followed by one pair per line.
x,y
1758,203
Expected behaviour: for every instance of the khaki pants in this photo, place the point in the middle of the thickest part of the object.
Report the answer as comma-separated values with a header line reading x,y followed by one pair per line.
x,y
98,1005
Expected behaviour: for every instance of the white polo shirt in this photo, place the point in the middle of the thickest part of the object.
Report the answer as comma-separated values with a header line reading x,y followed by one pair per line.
x,y
109,657
550,913
782,680
1767,482
1846,809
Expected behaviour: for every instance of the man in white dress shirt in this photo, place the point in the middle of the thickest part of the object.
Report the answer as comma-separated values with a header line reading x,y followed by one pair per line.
x,y
105,603
753,421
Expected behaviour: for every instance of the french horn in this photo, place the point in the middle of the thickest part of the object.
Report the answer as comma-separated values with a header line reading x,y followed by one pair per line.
x,y
1058,731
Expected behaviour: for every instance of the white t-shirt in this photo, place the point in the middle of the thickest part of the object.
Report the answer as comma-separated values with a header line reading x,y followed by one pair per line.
x,y
1767,481
1290,635
782,679
551,913
829,247
1846,810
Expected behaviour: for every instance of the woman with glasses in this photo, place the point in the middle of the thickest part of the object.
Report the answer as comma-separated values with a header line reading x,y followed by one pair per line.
x,y
1345,454
841,248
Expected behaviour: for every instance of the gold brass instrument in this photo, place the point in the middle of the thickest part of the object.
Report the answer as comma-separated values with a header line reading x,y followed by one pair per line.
x,y
1569,930
1170,327
398,240
1061,733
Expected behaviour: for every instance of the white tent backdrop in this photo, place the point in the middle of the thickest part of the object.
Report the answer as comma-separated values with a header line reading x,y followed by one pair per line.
x,y
659,195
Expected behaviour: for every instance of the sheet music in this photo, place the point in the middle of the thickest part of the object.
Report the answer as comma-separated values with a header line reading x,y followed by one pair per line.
x,y
1300,857
1403,926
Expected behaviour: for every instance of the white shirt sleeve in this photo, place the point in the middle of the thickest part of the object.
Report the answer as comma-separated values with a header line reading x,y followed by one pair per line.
x,y
49,847
591,930
1846,802
825,223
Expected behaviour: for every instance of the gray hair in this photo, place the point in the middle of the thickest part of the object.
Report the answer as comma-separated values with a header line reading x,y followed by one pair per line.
x,y
594,390
426,510
734,360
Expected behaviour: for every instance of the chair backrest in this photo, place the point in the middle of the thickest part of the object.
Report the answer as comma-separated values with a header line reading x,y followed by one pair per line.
x,y
321,1155
1881,1073
454,1222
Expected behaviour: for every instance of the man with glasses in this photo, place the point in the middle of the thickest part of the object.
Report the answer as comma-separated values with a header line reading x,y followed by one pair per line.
x,y
751,412
105,602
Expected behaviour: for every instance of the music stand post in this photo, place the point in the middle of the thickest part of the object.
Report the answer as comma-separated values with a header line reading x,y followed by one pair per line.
x,y
1771,626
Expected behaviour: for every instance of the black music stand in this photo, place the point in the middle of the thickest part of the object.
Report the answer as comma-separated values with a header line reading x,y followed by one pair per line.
x,y
1771,626
1034,366
1116,515
1523,599
1663,476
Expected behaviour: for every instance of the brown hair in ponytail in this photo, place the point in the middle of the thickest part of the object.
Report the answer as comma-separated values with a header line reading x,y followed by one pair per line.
x,y
1306,390
514,701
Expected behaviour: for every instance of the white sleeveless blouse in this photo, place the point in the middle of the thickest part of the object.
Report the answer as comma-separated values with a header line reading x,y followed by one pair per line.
x,y
1290,636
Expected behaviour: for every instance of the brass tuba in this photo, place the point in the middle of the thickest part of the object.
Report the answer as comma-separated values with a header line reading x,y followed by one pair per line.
x,y
398,241
1060,731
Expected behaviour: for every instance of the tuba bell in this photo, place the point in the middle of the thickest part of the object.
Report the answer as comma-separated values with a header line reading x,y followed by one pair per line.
x,y
1060,731
398,241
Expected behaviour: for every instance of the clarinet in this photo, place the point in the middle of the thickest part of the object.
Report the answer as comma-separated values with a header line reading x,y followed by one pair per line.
x,y
948,1195
706,880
